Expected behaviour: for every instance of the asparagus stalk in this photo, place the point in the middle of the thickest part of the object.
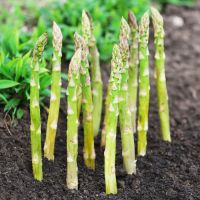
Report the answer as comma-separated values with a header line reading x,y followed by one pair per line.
x,y
133,68
55,94
128,146
160,74
87,104
72,121
88,35
111,126
105,121
144,86
35,127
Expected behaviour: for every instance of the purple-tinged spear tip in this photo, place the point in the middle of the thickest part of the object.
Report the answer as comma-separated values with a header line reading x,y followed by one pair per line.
x,y
132,21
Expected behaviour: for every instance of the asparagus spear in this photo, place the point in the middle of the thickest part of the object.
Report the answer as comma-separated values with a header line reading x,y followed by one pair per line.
x,y
35,127
160,74
144,85
55,94
87,104
105,121
88,35
72,121
133,68
128,146
110,148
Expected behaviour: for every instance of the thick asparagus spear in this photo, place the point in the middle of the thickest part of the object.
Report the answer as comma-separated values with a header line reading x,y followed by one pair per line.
x,y
111,126
72,121
35,127
160,74
55,94
88,35
128,146
133,68
144,85
87,104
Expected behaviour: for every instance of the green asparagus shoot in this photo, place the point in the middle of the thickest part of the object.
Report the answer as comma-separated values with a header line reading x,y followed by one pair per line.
x,y
55,94
73,120
111,126
133,68
35,127
161,85
144,85
128,146
97,90
87,103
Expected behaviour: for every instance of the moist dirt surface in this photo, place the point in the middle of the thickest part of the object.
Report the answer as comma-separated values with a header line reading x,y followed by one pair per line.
x,y
168,171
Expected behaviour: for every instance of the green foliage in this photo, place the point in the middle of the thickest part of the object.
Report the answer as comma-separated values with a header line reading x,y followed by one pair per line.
x,y
15,82
177,2
29,16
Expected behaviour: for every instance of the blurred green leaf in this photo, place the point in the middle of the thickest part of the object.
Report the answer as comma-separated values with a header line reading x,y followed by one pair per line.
x,y
4,84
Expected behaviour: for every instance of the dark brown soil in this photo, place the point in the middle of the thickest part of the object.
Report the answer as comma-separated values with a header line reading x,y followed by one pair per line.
x,y
169,171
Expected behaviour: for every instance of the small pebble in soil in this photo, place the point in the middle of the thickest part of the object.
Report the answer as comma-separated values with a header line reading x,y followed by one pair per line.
x,y
177,21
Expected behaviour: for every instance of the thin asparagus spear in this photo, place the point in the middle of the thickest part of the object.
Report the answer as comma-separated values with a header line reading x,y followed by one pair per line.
x,y
128,146
105,120
35,127
133,68
88,35
144,85
87,104
72,121
111,126
160,74
55,94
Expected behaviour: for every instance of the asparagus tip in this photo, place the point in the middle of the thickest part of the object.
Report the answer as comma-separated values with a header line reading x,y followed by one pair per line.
x,y
157,19
124,28
144,23
40,45
57,37
132,21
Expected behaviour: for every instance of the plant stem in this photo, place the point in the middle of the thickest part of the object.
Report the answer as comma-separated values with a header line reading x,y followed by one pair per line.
x,y
55,94
105,121
133,68
111,126
72,120
128,146
95,70
35,127
144,85
87,104
160,74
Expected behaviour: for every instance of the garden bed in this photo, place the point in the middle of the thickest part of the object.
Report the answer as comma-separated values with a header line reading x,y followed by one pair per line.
x,y
169,171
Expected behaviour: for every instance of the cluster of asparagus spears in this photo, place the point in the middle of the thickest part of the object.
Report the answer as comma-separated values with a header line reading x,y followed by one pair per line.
x,y
130,64
129,74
